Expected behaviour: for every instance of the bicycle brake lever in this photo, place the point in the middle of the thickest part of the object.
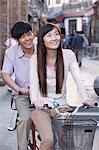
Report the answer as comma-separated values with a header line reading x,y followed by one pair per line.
x,y
19,92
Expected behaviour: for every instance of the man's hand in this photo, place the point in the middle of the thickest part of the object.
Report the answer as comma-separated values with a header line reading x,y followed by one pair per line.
x,y
24,91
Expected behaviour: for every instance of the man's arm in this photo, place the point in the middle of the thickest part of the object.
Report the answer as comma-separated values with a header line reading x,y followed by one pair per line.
x,y
8,80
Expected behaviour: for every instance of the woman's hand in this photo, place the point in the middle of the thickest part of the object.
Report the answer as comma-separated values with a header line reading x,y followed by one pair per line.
x,y
39,103
90,102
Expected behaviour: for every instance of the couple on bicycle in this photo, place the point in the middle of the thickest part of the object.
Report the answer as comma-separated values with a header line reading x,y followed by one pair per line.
x,y
45,72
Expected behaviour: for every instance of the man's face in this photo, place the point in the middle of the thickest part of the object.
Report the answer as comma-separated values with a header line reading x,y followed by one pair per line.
x,y
26,40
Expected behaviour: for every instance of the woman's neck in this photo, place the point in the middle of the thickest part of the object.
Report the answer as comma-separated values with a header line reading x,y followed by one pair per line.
x,y
51,57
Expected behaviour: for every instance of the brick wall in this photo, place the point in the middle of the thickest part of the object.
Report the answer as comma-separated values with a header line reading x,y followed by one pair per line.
x,y
3,27
10,12
0,30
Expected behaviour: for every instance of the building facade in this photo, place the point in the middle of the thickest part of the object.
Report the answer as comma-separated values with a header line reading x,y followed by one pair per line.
x,y
35,10
77,15
94,21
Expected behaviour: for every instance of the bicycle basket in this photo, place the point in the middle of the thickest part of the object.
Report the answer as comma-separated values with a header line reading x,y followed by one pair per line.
x,y
74,134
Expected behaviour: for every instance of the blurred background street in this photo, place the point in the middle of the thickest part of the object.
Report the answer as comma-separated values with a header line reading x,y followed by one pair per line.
x,y
7,138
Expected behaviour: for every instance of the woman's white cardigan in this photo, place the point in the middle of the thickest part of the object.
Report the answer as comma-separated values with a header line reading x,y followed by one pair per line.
x,y
70,64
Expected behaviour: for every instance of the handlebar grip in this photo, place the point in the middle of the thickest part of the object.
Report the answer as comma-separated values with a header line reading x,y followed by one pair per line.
x,y
31,106
46,105
19,92
96,104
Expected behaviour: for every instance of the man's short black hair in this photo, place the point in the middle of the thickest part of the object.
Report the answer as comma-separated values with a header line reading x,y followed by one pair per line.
x,y
19,29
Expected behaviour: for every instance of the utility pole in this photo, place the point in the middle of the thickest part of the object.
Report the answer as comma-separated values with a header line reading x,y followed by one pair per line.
x,y
8,17
19,10
27,10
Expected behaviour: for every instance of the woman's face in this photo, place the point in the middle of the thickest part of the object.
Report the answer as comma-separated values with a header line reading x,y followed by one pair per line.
x,y
52,39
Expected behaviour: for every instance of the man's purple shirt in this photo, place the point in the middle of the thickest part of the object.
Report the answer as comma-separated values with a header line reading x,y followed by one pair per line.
x,y
16,62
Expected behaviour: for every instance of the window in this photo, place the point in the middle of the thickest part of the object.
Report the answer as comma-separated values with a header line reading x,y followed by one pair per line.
x,y
73,1
58,1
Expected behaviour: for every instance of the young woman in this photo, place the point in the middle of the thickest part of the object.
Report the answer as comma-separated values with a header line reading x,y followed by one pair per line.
x,y
48,74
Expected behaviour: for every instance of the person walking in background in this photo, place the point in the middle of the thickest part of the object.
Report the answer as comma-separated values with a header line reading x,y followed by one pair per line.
x,y
35,39
16,60
48,75
70,39
85,40
77,47
64,42
53,20
10,42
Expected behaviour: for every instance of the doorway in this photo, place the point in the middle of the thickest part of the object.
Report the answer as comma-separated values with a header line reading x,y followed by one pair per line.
x,y
72,26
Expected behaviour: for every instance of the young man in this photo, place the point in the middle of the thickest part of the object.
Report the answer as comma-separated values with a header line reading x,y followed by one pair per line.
x,y
17,60
77,46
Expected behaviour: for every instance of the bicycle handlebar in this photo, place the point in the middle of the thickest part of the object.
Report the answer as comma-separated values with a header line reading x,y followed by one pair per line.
x,y
45,106
56,105
86,105
67,113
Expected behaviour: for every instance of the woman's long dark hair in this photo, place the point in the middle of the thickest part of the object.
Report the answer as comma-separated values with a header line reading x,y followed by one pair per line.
x,y
41,62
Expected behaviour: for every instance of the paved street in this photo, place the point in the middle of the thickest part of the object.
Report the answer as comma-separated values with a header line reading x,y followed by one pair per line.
x,y
89,71
7,138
